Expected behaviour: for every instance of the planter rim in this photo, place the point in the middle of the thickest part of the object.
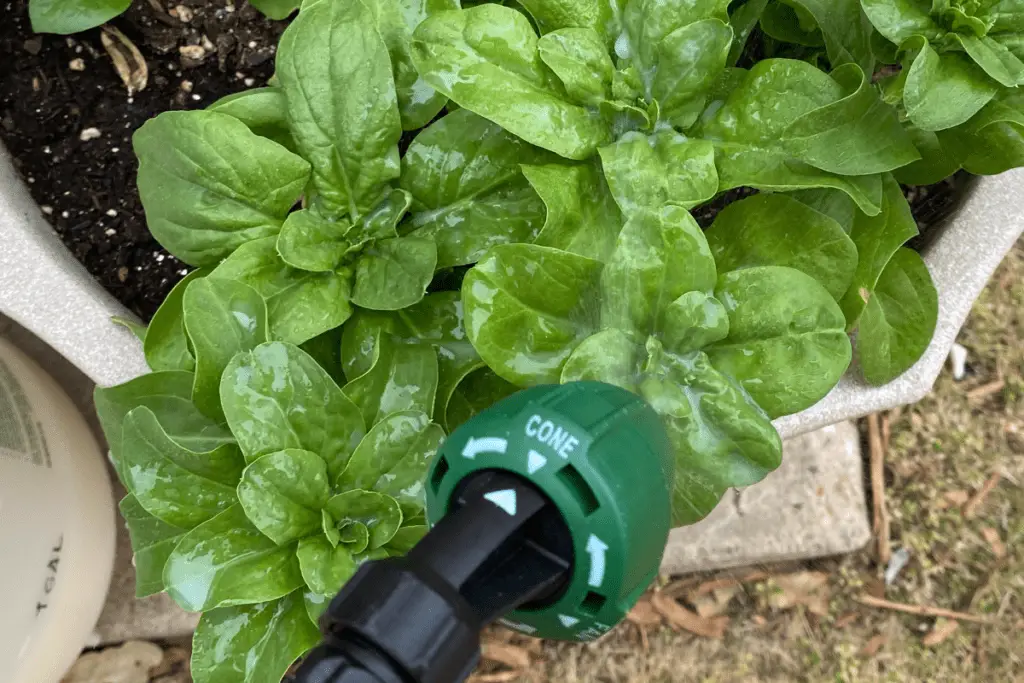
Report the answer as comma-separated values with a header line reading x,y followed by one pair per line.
x,y
46,290
961,258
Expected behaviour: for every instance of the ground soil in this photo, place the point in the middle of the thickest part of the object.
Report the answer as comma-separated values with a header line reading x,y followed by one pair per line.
x,y
53,88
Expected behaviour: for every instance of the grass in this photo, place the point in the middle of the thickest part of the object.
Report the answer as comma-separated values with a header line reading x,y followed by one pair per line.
x,y
942,451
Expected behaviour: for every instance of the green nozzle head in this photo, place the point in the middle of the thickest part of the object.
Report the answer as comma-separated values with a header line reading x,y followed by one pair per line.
x,y
601,455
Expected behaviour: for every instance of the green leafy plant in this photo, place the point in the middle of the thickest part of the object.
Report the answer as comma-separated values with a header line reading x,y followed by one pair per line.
x,y
358,295
74,16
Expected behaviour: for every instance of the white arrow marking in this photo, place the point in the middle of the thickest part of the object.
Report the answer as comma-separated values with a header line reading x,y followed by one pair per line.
x,y
534,461
487,444
596,548
505,499
568,621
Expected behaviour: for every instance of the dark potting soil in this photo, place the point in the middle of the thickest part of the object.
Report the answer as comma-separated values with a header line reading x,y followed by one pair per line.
x,y
67,119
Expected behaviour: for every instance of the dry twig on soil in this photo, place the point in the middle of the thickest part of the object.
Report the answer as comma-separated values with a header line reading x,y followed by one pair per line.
x,y
877,449
971,508
921,610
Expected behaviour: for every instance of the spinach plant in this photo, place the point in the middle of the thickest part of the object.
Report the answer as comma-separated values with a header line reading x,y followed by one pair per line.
x,y
356,296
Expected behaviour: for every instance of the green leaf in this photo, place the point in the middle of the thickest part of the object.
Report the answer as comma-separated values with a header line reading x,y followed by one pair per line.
x,y
282,494
776,230
877,238
610,356
899,319
167,345
152,542
693,321
325,349
316,604
478,391
600,15
580,60
263,110
835,204
749,131
393,460
136,328
223,317
944,90
355,537
721,437
377,512
527,307
744,19
276,9
468,192
582,216
406,537
392,274
169,396
936,162
72,16
382,222
781,22
435,321
690,60
325,568
177,486
648,24
645,172
486,60
846,29
396,20
993,140
787,343
227,561
660,255
208,184
899,20
300,304
402,377
308,241
856,135
276,397
996,60
252,643
335,71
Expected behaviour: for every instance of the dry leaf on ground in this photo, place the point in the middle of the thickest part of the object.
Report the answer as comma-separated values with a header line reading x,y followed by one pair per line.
x,y
498,677
872,647
943,629
644,614
991,537
953,499
679,616
971,508
128,61
129,663
846,619
802,588
717,602
509,655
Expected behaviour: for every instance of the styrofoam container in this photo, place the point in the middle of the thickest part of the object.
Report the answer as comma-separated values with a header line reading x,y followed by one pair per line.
x,y
56,525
